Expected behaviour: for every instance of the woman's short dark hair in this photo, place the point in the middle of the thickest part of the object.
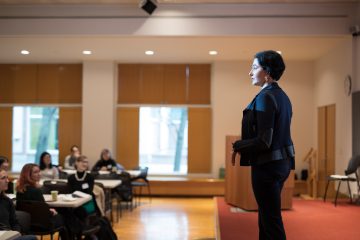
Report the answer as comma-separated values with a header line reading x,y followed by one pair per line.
x,y
272,62
3,159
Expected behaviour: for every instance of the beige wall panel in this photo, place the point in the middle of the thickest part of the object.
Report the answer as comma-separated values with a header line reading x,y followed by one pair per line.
x,y
199,146
70,119
48,83
175,84
152,86
129,83
127,149
70,83
6,83
199,83
6,132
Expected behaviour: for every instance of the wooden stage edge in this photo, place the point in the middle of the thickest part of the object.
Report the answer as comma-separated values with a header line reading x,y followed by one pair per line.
x,y
183,186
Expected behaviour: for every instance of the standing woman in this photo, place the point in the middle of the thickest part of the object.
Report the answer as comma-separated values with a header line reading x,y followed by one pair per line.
x,y
266,143
48,170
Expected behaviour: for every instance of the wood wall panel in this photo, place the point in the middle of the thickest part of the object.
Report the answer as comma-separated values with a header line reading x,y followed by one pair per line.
x,y
25,83
152,84
6,132
129,83
175,88
199,138
18,83
70,120
40,83
70,83
199,83
48,83
6,83
127,148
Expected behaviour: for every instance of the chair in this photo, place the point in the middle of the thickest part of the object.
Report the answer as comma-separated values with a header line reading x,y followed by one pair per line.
x,y
60,186
141,181
125,190
24,220
41,218
353,166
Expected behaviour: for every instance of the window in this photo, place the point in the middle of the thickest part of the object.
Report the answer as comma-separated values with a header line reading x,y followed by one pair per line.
x,y
35,130
164,139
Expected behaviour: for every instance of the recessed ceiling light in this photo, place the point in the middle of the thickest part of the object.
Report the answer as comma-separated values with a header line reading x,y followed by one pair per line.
x,y
213,52
87,52
25,52
149,52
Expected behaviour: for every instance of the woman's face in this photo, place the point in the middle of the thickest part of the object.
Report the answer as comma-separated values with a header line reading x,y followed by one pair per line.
x,y
106,155
257,74
47,159
5,166
4,181
82,165
75,152
35,174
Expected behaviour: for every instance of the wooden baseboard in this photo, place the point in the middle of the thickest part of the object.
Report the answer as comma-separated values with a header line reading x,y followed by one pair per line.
x,y
182,186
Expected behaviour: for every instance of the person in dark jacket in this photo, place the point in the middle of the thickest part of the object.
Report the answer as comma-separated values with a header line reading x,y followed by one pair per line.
x,y
106,163
8,220
28,189
266,143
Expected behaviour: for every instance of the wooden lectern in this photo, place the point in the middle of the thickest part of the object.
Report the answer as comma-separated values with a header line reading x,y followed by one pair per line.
x,y
238,189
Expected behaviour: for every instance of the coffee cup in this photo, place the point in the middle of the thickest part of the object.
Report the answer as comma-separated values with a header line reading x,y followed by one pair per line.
x,y
54,195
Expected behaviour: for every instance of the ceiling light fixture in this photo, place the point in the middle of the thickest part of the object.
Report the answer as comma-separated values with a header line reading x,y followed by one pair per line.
x,y
148,6
213,52
25,52
149,52
87,52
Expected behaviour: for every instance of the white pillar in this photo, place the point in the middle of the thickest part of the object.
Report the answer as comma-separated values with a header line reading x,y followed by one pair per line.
x,y
98,111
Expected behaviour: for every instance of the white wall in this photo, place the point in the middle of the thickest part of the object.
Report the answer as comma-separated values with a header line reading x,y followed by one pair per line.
x,y
330,72
98,112
232,91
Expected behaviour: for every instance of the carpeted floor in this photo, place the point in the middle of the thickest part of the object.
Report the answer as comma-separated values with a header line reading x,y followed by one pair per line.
x,y
308,220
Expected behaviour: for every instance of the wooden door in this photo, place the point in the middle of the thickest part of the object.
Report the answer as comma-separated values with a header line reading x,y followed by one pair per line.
x,y
326,148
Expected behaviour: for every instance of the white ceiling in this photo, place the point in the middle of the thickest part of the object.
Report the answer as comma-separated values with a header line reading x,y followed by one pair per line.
x,y
59,49
167,49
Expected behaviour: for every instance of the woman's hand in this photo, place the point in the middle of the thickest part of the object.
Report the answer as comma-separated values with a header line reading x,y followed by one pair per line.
x,y
53,211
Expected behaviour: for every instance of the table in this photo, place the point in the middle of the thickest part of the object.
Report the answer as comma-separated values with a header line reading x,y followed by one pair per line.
x,y
64,200
9,235
67,200
133,173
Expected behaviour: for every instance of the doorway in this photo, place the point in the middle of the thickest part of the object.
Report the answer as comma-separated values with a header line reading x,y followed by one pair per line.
x,y
326,148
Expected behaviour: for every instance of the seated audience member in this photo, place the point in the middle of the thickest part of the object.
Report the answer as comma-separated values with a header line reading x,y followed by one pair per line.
x,y
47,169
69,162
84,182
4,163
106,163
8,220
28,189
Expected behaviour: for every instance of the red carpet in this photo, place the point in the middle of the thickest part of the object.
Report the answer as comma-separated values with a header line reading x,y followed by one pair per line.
x,y
308,220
